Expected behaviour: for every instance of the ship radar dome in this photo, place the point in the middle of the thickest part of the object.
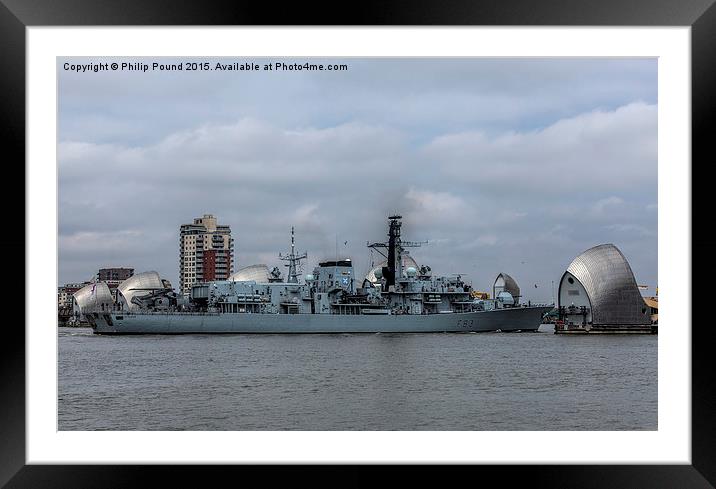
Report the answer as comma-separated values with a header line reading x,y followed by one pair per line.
x,y
506,298
310,278
411,272
377,273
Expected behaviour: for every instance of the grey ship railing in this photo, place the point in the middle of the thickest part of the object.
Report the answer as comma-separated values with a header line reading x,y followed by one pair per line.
x,y
166,313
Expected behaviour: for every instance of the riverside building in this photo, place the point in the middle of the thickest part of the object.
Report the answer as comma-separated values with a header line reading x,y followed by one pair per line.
x,y
113,277
206,252
65,292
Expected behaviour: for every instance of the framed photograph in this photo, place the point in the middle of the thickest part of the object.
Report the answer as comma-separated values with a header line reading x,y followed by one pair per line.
x,y
394,184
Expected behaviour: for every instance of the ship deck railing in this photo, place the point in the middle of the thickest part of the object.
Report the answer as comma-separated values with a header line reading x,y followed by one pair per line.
x,y
165,313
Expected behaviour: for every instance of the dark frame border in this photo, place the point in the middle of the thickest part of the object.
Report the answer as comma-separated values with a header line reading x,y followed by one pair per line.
x,y
700,15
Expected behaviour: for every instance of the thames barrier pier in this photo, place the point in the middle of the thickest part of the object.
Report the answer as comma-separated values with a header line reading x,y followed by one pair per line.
x,y
598,294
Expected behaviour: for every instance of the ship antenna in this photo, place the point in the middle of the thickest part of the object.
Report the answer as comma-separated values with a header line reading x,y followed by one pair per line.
x,y
293,260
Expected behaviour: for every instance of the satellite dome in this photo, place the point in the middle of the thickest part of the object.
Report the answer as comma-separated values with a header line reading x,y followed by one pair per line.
x,y
377,273
506,298
310,277
411,272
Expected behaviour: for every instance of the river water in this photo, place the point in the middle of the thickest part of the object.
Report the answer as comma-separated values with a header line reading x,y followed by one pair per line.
x,y
443,381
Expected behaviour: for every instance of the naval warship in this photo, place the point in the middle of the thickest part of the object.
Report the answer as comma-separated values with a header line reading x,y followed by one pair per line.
x,y
393,298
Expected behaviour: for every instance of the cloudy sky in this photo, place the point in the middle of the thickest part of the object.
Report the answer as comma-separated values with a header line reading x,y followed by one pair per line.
x,y
503,165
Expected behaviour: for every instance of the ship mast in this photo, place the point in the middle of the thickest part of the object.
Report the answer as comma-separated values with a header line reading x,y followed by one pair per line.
x,y
396,248
293,260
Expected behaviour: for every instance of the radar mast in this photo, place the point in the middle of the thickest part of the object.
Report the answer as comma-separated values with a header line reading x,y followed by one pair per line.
x,y
293,261
396,249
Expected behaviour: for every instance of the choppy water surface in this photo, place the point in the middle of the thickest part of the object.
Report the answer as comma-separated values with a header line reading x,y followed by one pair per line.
x,y
483,381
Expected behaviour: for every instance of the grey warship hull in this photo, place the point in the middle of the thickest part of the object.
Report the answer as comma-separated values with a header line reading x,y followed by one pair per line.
x,y
509,319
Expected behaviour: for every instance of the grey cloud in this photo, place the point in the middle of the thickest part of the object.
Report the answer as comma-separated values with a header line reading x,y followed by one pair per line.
x,y
421,95
503,165
614,149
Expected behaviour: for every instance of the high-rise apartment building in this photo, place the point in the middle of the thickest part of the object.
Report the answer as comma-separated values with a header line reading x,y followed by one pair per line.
x,y
206,252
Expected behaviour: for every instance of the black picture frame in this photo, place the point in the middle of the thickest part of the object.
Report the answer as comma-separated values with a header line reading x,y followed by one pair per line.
x,y
700,15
